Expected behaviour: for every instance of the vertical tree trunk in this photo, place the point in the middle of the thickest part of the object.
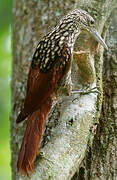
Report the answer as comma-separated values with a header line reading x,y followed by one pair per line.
x,y
100,161
32,19
104,149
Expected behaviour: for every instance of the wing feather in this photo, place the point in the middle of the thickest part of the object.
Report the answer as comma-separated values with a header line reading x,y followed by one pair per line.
x,y
41,85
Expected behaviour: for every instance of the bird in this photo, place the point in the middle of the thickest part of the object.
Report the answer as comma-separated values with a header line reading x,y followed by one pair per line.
x,y
51,62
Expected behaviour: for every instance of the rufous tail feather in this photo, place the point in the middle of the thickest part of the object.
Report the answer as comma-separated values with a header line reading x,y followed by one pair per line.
x,y
32,138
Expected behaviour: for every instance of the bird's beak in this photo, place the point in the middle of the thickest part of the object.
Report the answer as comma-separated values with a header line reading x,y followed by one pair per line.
x,y
97,36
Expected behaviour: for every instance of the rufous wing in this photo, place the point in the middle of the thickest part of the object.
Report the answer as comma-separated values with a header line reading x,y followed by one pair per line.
x,y
41,85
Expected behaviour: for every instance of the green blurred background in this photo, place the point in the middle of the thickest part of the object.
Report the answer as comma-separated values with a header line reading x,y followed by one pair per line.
x,y
5,78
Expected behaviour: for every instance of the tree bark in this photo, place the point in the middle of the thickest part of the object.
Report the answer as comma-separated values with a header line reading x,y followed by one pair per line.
x,y
70,129
100,161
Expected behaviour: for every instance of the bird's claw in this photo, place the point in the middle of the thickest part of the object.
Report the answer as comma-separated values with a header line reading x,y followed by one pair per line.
x,y
93,90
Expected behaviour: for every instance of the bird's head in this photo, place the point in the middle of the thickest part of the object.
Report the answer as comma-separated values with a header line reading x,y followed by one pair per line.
x,y
85,22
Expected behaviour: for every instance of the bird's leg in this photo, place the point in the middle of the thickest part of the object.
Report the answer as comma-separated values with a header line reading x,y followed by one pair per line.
x,y
67,85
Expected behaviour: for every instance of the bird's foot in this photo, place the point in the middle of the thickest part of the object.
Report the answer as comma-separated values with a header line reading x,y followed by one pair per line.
x,y
88,91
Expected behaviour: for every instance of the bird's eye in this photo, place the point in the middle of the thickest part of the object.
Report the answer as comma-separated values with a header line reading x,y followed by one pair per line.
x,y
92,22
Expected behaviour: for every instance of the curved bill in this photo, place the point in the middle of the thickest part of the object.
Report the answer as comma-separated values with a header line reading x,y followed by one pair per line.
x,y
97,36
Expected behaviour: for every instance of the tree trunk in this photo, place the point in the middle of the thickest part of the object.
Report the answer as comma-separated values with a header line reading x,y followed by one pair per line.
x,y
80,135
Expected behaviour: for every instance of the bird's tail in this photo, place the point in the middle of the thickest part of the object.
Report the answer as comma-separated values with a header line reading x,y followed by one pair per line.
x,y
32,137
